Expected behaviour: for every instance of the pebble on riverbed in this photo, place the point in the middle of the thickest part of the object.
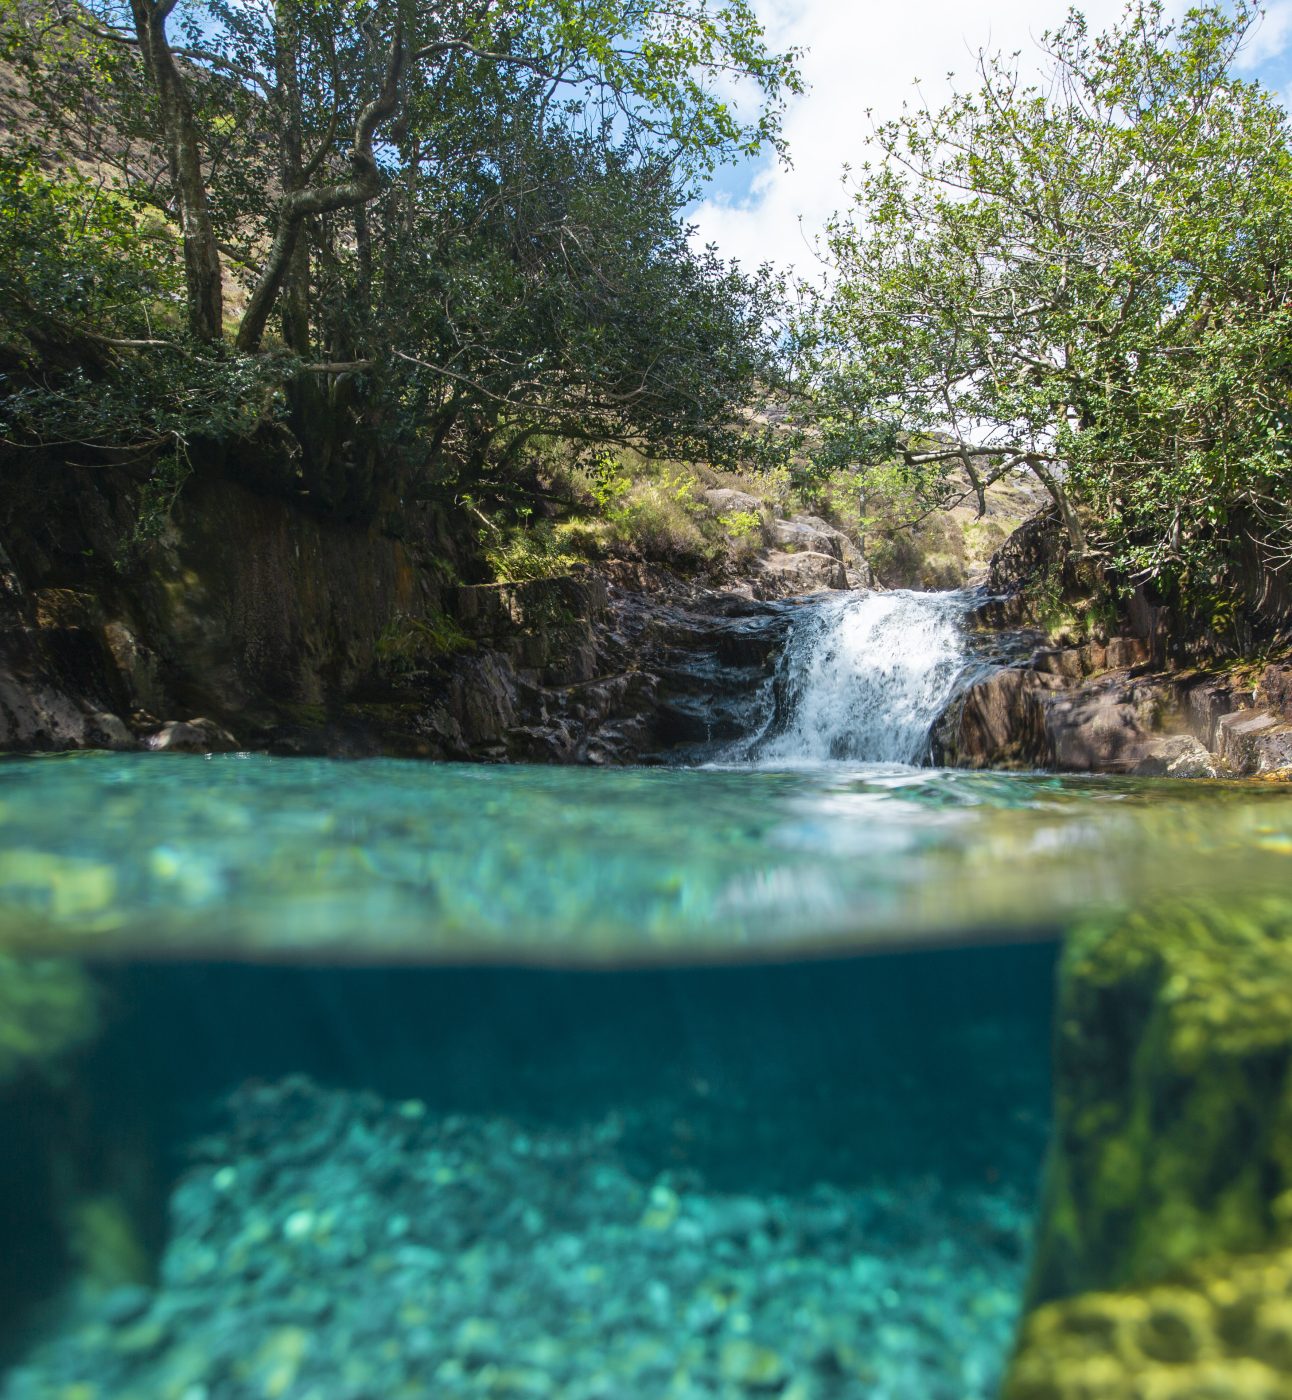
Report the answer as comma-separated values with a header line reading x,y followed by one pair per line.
x,y
331,1246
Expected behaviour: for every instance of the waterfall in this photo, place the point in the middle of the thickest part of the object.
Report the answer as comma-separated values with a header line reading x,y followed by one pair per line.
x,y
863,676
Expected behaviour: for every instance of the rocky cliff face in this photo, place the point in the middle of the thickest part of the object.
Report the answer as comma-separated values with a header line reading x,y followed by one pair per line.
x,y
249,609
1125,701
1078,711
257,624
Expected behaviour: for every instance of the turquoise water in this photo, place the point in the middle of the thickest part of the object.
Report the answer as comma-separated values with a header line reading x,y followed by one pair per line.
x,y
340,1081
242,856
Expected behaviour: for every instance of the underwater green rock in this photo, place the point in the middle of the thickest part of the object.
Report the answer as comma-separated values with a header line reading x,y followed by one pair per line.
x,y
1220,1330
1166,1233
48,1008
1173,1095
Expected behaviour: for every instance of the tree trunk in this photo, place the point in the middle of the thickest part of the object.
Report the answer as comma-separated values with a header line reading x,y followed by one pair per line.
x,y
296,282
297,206
1076,535
202,272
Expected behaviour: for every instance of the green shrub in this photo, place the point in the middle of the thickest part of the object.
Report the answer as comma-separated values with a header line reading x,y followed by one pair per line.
x,y
407,641
525,553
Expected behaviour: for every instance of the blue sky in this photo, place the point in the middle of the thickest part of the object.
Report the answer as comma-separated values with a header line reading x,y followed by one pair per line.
x,y
868,54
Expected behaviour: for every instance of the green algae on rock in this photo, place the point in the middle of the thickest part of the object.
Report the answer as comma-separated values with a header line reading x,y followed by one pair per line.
x,y
1173,1105
1170,1174
1220,1330
48,1008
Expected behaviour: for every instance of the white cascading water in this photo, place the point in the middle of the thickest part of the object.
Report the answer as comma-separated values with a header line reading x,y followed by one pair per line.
x,y
863,677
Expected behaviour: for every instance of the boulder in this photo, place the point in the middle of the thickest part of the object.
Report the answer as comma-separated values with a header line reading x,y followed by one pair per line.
x,y
36,715
1023,717
724,501
796,536
1254,741
192,736
860,575
789,575
1276,689
1176,756
999,723
1102,727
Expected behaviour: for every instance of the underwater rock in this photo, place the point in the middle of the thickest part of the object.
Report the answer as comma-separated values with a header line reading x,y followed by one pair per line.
x,y
1173,1131
49,1007
1222,1328
1170,1173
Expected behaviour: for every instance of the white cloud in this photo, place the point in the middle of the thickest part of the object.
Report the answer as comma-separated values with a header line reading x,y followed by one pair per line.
x,y
867,54
1269,39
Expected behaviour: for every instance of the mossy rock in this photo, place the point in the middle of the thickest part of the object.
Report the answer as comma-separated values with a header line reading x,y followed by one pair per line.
x,y
1220,1330
1173,1135
48,1008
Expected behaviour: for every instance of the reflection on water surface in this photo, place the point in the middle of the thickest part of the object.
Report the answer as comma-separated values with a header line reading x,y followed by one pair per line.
x,y
380,860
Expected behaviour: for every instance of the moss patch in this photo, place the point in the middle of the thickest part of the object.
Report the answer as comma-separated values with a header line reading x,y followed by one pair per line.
x,y
48,1008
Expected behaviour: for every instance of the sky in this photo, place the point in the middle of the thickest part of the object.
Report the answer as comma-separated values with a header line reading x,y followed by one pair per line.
x,y
868,54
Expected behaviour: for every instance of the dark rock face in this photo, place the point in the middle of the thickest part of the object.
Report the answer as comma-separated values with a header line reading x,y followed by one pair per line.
x,y
1117,704
258,625
998,723
647,665
58,685
1054,713
254,622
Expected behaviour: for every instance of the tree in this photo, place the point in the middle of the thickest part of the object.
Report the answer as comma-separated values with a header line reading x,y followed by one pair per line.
x,y
1087,276
330,85
442,229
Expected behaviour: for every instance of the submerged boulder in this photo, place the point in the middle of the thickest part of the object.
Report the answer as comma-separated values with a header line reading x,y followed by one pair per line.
x,y
1222,1329
49,1007
1166,1236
